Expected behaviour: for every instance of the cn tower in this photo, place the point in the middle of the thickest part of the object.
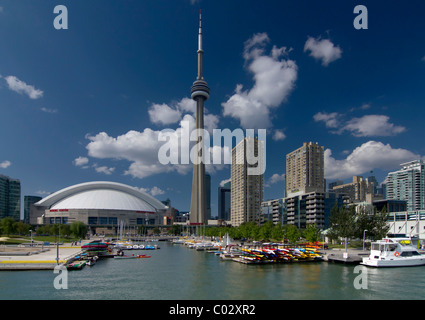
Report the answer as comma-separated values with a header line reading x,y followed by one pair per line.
x,y
200,93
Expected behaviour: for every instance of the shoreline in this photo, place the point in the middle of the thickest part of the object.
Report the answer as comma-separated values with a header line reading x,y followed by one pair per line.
x,y
36,258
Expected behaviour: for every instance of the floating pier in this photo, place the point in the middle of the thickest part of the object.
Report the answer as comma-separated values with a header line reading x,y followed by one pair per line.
x,y
351,257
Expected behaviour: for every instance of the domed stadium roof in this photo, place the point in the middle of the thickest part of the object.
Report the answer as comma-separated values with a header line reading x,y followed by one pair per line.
x,y
102,195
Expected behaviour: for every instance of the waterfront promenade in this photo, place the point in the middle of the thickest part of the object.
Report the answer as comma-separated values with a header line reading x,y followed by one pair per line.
x,y
36,257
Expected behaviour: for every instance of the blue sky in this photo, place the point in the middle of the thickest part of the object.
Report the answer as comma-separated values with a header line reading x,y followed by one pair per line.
x,y
87,103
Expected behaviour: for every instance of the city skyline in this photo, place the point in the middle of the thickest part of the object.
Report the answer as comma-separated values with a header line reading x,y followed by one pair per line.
x,y
87,103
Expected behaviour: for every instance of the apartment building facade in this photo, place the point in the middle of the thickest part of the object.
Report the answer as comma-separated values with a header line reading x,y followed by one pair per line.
x,y
247,190
305,170
408,184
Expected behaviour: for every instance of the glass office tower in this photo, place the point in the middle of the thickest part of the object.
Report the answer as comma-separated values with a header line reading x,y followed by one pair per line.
x,y
10,198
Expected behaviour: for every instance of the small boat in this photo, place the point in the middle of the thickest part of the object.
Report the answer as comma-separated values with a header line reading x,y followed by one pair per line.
x,y
77,265
125,257
142,256
393,252
90,262
95,245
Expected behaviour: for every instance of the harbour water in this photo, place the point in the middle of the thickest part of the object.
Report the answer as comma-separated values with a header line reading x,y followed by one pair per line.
x,y
175,272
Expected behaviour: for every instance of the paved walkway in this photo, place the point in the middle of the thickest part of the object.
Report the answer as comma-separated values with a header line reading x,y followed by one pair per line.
x,y
43,258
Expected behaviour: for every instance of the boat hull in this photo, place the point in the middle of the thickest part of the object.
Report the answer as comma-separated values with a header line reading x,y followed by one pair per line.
x,y
401,262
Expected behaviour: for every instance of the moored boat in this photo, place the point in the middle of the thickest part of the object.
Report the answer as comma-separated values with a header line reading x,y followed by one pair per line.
x,y
94,246
76,265
393,252
125,257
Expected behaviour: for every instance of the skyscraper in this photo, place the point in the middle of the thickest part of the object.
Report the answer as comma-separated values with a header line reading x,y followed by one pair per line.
x,y
408,184
247,190
28,201
10,198
305,170
224,202
200,93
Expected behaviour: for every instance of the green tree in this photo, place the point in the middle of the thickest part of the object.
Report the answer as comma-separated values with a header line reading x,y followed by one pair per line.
x,y
78,229
65,230
374,222
363,222
42,230
379,224
22,228
311,233
292,233
175,229
342,222
265,231
8,225
277,232
249,230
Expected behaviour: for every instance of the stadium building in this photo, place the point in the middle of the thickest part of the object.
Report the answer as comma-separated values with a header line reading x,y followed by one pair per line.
x,y
103,206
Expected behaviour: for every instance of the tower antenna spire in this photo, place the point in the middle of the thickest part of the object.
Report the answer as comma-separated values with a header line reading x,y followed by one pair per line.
x,y
200,51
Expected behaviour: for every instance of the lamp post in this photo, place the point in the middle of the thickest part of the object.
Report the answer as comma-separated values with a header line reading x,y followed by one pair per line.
x,y
364,236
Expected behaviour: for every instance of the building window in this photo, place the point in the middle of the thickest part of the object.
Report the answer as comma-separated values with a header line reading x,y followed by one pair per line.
x,y
103,220
92,220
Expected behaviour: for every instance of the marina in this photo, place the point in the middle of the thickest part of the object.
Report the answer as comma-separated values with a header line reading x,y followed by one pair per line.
x,y
176,272
47,257
266,253
76,257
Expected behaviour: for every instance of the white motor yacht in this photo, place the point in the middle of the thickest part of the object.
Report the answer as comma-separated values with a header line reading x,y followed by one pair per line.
x,y
393,252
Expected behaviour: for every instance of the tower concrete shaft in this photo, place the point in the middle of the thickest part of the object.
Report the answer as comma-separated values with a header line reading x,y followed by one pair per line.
x,y
200,93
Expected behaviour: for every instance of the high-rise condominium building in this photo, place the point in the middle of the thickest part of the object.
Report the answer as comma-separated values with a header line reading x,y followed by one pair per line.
x,y
10,198
408,184
305,170
247,190
357,190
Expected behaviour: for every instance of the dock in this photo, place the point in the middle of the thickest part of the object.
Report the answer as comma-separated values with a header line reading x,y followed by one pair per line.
x,y
36,258
338,256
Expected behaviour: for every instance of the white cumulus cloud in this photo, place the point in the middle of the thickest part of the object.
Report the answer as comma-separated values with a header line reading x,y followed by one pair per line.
x,y
365,126
330,119
154,191
81,161
21,87
163,114
166,114
369,156
279,135
275,178
104,169
5,164
141,149
223,182
323,49
372,125
274,78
